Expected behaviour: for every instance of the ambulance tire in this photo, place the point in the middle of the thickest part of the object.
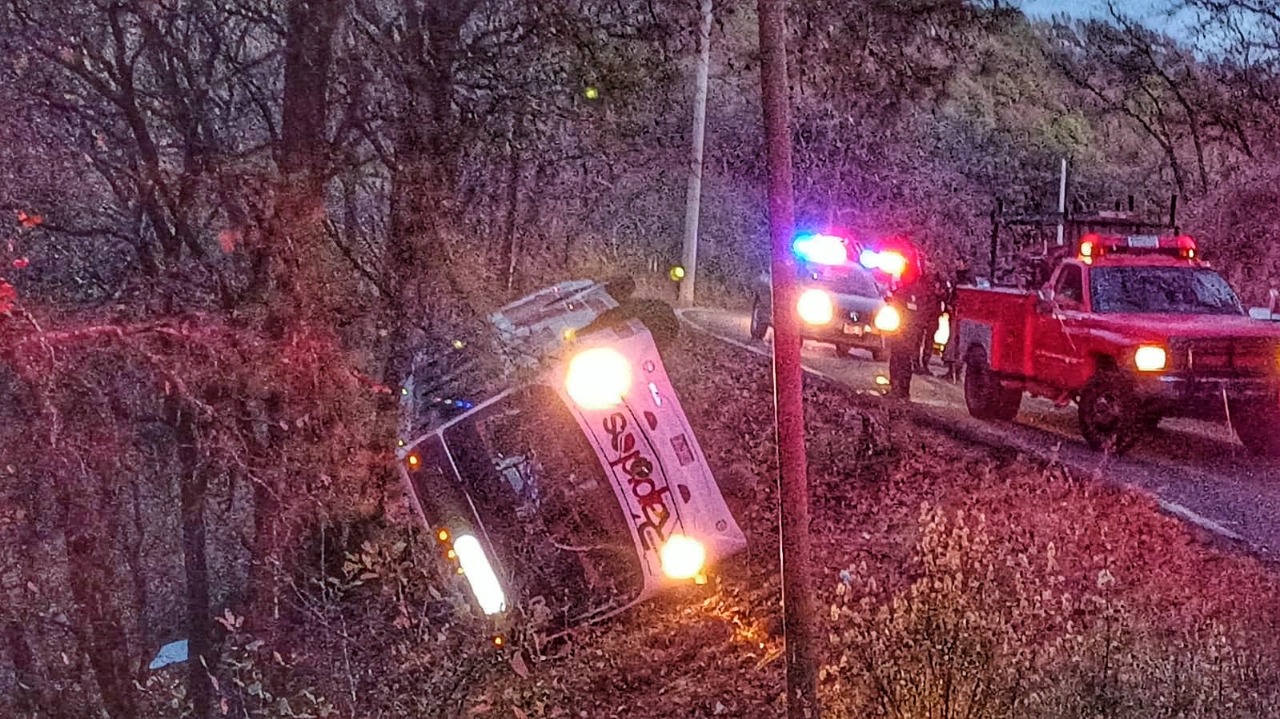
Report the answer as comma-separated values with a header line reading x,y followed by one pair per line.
x,y
1255,424
657,316
984,396
759,325
1111,419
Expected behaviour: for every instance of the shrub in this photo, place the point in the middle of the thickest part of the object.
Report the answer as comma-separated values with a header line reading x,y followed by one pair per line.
x,y
985,630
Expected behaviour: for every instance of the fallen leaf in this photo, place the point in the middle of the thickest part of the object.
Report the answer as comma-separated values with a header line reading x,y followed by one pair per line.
x,y
519,666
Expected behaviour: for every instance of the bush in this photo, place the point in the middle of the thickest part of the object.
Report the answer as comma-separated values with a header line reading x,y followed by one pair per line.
x,y
985,631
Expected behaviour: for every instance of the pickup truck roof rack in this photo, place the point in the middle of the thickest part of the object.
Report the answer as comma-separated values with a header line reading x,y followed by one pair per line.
x,y
1031,237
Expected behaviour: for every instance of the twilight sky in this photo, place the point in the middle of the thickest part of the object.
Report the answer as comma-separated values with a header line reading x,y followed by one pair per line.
x,y
1154,13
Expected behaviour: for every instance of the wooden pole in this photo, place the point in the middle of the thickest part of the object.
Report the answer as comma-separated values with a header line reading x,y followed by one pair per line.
x,y
793,486
693,199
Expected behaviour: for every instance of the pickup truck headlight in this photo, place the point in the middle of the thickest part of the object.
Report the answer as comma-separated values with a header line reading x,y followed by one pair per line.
x,y
1150,358
888,319
815,307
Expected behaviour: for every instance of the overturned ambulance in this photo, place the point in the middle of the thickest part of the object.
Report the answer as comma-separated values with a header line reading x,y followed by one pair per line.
x,y
581,489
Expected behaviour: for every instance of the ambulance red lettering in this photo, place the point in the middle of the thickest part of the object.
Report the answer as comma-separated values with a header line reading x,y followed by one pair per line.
x,y
638,470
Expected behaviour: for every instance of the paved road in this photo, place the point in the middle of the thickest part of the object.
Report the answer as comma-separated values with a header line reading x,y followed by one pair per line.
x,y
1197,470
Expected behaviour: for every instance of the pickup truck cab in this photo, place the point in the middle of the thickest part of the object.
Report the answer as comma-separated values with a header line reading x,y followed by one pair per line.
x,y
1132,329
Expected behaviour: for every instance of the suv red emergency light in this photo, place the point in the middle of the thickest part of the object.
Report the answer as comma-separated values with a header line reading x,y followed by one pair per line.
x,y
1093,246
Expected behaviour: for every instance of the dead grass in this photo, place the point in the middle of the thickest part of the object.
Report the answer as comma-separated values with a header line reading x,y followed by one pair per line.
x,y
954,581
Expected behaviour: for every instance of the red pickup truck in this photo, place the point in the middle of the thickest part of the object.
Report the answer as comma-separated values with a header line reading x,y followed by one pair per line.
x,y
1132,329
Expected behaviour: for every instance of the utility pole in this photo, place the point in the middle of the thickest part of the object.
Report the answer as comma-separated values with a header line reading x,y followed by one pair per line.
x,y
793,480
1062,201
694,197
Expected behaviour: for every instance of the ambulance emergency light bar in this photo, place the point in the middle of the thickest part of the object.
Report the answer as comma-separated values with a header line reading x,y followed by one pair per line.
x,y
1093,246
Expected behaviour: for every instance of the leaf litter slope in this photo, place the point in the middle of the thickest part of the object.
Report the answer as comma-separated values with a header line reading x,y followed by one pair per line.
x,y
920,540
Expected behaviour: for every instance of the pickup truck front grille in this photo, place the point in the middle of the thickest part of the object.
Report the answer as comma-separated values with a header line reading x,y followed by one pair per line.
x,y
1225,357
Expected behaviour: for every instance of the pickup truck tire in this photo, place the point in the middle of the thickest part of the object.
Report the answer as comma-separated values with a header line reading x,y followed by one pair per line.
x,y
984,396
1256,425
1111,419
759,326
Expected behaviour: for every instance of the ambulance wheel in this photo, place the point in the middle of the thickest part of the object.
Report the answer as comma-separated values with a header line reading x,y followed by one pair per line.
x,y
657,316
984,396
1111,419
1255,424
759,325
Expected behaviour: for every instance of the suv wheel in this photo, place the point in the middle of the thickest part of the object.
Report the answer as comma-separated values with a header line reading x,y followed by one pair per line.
x,y
1111,419
759,325
1255,423
985,397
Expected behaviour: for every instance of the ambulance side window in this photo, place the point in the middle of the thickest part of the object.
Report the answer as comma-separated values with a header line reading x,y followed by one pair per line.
x,y
1069,289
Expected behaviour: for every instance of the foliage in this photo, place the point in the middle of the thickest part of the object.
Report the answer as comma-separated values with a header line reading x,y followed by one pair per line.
x,y
987,631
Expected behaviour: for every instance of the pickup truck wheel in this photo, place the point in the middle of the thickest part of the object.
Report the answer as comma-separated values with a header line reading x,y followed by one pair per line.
x,y
1110,417
984,396
1255,423
759,326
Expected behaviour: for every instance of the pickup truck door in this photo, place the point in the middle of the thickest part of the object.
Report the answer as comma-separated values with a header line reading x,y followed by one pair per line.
x,y
1057,353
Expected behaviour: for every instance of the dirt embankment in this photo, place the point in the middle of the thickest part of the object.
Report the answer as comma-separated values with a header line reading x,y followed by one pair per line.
x,y
983,580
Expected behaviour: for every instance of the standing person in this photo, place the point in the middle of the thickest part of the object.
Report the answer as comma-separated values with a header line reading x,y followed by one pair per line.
x,y
904,347
933,295
962,277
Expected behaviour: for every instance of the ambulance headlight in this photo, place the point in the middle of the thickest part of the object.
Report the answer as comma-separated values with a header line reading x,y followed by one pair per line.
x,y
598,378
682,557
1150,358
479,573
815,307
888,319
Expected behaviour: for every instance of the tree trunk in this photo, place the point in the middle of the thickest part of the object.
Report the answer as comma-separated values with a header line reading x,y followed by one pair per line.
x,y
103,634
301,240
194,561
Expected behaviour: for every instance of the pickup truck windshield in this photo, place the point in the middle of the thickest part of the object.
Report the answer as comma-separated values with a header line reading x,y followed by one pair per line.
x,y
547,504
1162,290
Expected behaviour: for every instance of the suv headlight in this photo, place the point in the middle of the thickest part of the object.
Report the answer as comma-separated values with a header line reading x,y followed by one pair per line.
x,y
815,307
888,319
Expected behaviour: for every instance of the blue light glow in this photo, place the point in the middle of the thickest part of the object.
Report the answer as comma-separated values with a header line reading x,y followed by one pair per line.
x,y
821,249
